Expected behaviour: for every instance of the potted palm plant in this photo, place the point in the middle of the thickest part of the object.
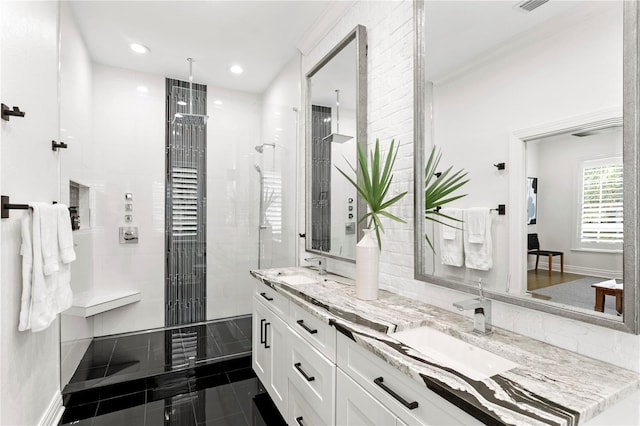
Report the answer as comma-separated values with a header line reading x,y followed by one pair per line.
x,y
439,188
373,183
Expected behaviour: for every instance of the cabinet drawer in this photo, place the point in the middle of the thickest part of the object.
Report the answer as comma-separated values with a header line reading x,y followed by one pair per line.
x,y
313,329
356,407
367,370
313,375
300,411
272,299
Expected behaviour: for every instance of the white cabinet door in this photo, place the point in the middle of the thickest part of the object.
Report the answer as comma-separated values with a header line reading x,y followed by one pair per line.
x,y
356,407
276,340
260,355
270,352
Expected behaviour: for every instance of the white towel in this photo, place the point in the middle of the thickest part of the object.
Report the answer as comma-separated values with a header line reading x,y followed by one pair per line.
x,y
65,235
26,250
475,220
49,238
451,247
43,307
478,249
47,250
67,255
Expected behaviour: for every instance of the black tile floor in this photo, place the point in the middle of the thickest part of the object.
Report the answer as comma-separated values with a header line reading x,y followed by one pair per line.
x,y
121,380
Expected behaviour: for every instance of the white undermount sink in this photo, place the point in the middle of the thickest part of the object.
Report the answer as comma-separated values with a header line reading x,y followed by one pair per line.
x,y
297,279
470,360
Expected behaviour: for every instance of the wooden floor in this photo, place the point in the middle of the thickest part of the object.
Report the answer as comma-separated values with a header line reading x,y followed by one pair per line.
x,y
541,279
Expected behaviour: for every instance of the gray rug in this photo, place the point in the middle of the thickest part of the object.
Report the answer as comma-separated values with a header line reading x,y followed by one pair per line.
x,y
577,293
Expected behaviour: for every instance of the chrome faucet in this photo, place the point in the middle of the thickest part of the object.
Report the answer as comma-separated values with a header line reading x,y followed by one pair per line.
x,y
322,267
482,312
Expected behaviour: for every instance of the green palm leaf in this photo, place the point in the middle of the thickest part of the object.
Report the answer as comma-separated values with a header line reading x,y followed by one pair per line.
x,y
439,190
373,183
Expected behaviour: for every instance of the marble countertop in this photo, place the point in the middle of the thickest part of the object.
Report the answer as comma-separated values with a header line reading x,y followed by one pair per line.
x,y
550,385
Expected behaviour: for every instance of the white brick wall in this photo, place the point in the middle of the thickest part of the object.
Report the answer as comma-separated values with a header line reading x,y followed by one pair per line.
x,y
390,115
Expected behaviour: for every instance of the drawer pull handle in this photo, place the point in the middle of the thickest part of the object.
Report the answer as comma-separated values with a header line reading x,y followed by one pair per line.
x,y
302,324
299,421
266,324
309,378
266,297
401,400
262,327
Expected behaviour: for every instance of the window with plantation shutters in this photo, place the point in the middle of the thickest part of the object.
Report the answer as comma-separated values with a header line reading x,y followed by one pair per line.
x,y
272,202
184,201
602,202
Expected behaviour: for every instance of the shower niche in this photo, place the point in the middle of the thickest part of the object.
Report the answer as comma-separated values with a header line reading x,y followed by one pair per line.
x,y
80,206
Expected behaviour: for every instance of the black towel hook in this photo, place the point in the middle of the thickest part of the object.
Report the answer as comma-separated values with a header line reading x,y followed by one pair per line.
x,y
7,112
57,145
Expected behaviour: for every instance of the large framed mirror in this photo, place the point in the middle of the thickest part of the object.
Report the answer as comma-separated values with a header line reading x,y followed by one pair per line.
x,y
540,108
336,120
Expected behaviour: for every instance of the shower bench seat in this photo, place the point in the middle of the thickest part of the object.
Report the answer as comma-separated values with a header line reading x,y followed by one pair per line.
x,y
91,303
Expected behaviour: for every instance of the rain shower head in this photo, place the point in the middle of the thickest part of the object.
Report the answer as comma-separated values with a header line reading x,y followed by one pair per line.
x,y
260,148
190,118
337,137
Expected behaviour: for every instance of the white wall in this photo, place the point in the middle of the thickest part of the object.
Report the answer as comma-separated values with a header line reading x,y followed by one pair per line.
x,y
29,363
390,102
128,138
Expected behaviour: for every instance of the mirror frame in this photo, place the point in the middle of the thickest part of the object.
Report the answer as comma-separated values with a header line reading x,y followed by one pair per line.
x,y
423,134
359,34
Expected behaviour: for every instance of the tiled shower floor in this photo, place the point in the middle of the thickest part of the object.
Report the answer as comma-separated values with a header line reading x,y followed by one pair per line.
x,y
149,379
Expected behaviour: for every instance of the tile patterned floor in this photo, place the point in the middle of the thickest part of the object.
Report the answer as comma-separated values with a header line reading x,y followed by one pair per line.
x,y
115,358
131,380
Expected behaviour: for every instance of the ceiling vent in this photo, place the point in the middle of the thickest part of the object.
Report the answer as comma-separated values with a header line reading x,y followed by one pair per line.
x,y
530,5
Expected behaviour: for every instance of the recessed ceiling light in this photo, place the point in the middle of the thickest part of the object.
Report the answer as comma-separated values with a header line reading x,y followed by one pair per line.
x,y
139,48
142,89
236,69
217,102
183,103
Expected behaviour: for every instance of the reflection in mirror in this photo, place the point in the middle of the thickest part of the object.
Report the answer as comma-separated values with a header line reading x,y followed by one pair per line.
x,y
541,91
336,122
574,217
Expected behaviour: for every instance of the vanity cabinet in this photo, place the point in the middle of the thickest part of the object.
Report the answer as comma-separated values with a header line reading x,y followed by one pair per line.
x,y
385,385
317,376
269,346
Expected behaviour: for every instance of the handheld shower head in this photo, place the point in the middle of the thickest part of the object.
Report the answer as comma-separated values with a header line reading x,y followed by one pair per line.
x,y
260,148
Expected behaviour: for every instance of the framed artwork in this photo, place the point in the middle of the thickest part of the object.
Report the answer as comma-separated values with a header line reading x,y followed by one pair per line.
x,y
532,200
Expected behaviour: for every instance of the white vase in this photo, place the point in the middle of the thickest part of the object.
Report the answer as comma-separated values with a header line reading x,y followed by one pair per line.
x,y
367,266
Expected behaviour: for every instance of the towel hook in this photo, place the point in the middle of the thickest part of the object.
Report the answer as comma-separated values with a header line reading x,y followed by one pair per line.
x,y
56,145
500,166
7,112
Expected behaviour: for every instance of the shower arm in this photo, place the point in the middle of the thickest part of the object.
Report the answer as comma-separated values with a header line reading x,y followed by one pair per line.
x,y
337,111
190,85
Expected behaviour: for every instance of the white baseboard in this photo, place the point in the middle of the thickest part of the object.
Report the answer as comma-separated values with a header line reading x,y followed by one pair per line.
x,y
54,412
581,270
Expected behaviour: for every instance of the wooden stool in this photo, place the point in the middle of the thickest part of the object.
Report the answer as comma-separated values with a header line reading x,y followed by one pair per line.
x,y
606,290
